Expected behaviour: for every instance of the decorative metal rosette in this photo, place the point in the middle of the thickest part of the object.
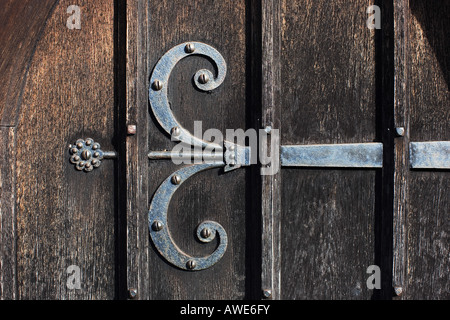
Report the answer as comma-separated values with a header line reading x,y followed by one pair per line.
x,y
86,154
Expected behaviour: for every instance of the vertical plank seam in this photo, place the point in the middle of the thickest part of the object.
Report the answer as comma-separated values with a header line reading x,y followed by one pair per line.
x,y
270,184
401,170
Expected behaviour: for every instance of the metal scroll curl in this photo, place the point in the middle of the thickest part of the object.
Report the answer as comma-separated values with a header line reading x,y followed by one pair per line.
x,y
203,80
157,217
159,231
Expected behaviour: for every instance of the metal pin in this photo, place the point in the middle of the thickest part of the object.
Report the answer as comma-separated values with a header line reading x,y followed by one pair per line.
x,y
191,264
176,179
132,293
157,85
203,78
86,155
190,47
268,129
398,291
157,225
267,293
205,233
176,131
131,129
400,131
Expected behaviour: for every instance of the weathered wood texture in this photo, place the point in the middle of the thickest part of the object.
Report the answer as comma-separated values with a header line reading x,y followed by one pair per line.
x,y
22,26
210,195
424,258
66,217
8,286
270,117
401,17
328,96
137,77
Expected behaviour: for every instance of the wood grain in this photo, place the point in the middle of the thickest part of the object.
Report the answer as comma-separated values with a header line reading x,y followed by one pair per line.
x,y
210,195
136,165
8,276
401,149
22,26
271,117
427,264
66,217
328,96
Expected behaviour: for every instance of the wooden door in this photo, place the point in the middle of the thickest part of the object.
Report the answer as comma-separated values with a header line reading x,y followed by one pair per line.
x,y
313,70
57,86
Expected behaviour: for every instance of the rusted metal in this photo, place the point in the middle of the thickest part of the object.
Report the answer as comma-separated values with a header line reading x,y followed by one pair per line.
x,y
86,155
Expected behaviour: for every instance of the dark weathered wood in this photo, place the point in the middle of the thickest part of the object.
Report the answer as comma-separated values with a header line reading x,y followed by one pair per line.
x,y
427,253
22,26
328,96
210,195
401,150
138,70
66,217
8,284
310,68
271,184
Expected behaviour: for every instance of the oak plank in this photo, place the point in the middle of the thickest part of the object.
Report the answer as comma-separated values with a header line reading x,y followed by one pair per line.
x,y
8,272
66,217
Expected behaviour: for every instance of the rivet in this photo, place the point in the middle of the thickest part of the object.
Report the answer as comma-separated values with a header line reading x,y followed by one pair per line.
x,y
88,142
203,78
94,161
86,155
79,145
88,165
400,131
176,131
157,85
190,47
132,293
232,147
205,233
268,129
82,163
76,158
176,179
74,150
267,293
95,146
157,225
191,264
96,154
398,291
131,129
